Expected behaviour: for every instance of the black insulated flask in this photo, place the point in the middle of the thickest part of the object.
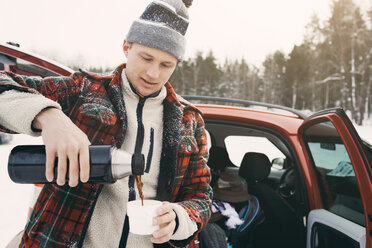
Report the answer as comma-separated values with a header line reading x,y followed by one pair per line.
x,y
26,164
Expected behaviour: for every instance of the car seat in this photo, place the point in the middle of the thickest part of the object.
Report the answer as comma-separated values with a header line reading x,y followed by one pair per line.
x,y
234,209
218,161
281,227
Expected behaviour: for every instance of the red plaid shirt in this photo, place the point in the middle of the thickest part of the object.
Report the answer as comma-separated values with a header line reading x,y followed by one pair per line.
x,y
95,104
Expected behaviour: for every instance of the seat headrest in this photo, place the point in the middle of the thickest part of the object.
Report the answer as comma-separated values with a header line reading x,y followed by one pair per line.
x,y
219,158
255,167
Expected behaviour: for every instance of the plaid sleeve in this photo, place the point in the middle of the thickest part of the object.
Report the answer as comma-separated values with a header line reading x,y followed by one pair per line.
x,y
63,90
195,193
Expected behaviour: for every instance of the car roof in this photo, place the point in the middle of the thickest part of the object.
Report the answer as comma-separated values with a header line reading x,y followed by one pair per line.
x,y
248,103
283,123
260,114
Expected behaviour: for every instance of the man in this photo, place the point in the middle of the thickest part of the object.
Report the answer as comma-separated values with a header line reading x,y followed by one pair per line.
x,y
134,109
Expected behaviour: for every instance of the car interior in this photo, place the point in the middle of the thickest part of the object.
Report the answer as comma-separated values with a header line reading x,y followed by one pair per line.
x,y
272,180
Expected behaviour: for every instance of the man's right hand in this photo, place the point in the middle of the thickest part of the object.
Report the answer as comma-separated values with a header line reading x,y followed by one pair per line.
x,y
63,139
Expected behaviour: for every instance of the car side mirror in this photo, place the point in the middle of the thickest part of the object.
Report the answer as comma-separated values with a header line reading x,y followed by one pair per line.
x,y
278,163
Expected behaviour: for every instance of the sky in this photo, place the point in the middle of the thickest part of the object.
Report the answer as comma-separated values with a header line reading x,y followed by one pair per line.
x,y
90,33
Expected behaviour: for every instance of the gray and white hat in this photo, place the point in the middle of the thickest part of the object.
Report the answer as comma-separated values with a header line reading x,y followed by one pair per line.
x,y
163,26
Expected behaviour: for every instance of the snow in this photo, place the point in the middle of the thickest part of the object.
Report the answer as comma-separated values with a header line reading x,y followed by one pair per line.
x,y
16,198
365,132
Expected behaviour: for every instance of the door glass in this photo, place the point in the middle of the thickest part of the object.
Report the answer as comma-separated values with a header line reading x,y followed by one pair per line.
x,y
334,171
28,67
237,146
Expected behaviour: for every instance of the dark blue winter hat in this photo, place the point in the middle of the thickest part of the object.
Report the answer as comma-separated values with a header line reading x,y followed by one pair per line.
x,y
163,26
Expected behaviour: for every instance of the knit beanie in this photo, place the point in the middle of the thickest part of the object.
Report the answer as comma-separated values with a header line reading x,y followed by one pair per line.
x,y
162,25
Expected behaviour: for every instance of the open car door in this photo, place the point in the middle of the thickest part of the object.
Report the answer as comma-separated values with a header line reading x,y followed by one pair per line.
x,y
341,164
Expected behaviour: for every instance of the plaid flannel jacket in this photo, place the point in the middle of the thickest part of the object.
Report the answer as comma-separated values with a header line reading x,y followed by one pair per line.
x,y
95,104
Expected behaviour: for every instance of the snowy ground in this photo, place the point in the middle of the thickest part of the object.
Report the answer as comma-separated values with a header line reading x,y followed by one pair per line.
x,y
16,197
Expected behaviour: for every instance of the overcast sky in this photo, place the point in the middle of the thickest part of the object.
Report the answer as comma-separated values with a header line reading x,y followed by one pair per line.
x,y
91,31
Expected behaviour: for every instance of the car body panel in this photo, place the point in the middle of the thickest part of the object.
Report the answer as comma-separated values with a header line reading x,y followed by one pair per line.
x,y
313,194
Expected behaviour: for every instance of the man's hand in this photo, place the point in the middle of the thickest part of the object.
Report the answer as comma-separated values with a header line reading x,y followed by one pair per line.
x,y
166,220
63,139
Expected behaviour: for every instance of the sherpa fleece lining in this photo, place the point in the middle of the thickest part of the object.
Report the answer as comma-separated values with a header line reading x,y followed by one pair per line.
x,y
186,225
19,109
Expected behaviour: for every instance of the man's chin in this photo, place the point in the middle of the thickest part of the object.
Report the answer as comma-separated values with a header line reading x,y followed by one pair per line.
x,y
146,92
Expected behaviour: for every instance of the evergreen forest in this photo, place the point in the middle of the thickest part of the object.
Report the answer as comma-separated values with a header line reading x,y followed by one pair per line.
x,y
331,68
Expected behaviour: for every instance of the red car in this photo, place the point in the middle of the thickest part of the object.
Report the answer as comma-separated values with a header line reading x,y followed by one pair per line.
x,y
312,175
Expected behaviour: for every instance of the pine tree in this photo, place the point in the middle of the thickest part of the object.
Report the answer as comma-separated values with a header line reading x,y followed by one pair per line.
x,y
273,79
297,86
343,49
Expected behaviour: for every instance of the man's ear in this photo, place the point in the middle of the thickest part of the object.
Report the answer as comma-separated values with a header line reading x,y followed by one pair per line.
x,y
126,47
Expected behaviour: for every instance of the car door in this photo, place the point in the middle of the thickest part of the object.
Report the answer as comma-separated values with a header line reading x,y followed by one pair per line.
x,y
335,153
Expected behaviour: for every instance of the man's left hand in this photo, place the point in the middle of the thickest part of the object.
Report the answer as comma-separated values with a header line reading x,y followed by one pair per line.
x,y
166,220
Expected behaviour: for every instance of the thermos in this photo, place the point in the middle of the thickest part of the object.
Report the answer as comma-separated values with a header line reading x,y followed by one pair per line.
x,y
26,164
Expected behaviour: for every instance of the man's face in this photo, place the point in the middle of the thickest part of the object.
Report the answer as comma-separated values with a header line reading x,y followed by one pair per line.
x,y
148,69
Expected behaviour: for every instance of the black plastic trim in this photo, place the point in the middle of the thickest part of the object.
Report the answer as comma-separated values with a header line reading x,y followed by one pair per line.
x,y
317,225
336,110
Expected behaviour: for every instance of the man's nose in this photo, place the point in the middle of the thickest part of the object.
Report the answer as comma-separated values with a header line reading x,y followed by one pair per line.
x,y
153,71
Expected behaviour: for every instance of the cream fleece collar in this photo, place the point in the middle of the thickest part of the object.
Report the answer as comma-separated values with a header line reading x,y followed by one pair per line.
x,y
127,90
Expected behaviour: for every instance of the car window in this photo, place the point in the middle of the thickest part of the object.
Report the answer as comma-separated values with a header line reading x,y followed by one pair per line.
x,y
237,146
209,141
334,171
34,69
24,67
